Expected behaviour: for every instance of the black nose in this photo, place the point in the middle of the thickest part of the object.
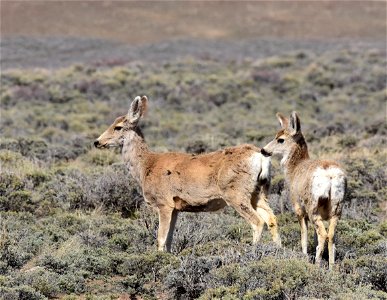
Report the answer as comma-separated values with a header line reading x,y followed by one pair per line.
x,y
96,143
265,153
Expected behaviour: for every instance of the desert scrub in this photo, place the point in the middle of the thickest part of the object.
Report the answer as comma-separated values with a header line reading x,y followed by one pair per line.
x,y
190,280
366,186
278,62
18,179
21,292
348,142
147,264
197,229
100,158
281,279
199,264
110,189
74,214
201,87
144,272
368,269
357,237
13,199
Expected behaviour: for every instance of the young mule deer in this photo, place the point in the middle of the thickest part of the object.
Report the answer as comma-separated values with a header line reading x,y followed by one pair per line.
x,y
317,187
174,182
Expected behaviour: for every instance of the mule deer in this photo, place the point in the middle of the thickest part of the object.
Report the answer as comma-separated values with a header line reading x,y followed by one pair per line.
x,y
175,182
317,187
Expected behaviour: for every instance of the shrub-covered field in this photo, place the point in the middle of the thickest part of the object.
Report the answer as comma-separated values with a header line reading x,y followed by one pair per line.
x,y
73,223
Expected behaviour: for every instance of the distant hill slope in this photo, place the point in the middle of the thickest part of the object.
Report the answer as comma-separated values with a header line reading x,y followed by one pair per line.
x,y
50,52
148,22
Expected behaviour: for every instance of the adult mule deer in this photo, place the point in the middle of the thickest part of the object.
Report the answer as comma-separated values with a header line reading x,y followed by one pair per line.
x,y
317,187
175,182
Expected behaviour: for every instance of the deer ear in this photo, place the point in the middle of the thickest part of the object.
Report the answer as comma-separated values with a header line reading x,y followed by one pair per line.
x,y
284,122
137,109
295,124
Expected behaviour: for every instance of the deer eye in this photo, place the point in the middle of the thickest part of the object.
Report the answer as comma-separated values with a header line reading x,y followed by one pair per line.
x,y
117,128
280,141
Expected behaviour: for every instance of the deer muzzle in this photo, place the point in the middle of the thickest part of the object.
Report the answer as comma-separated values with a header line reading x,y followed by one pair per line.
x,y
97,144
265,153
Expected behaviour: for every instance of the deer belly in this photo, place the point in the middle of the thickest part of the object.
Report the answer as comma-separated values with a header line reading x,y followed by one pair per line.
x,y
211,205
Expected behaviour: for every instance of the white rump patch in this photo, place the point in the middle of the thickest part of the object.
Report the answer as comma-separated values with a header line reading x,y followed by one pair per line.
x,y
338,183
328,183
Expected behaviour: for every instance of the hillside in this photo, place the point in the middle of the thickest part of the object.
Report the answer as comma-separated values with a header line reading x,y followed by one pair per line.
x,y
140,22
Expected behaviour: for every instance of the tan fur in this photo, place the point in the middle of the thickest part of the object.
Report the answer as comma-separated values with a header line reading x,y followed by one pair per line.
x,y
317,187
176,182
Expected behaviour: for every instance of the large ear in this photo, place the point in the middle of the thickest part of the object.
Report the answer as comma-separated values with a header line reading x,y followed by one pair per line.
x,y
284,122
295,124
137,109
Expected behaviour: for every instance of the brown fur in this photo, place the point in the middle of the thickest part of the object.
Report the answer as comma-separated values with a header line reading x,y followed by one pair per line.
x,y
317,187
176,182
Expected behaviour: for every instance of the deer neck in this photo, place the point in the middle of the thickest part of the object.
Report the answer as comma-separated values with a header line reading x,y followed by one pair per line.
x,y
296,155
135,152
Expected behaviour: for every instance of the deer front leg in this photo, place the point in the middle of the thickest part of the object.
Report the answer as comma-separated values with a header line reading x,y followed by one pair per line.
x,y
167,221
304,233
331,240
172,225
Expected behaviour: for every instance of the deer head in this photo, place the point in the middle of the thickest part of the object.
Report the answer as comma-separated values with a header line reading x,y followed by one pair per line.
x,y
287,138
114,136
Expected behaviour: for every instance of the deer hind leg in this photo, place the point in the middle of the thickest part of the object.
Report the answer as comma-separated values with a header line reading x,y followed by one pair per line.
x,y
266,213
167,222
263,209
321,236
331,240
252,217
257,230
304,233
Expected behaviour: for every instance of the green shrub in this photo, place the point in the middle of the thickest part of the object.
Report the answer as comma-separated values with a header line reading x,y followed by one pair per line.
x,y
14,195
151,264
190,280
368,269
45,282
280,279
348,142
100,158
21,293
26,146
134,285
224,293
